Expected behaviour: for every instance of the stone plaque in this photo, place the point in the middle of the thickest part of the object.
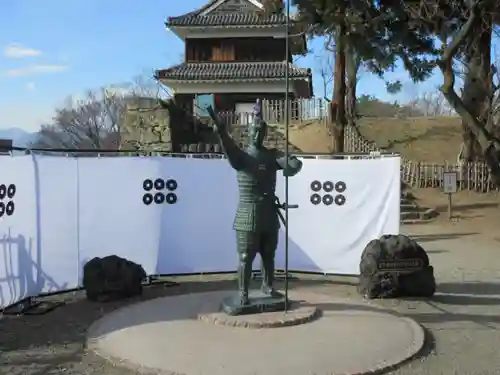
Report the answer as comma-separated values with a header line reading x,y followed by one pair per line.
x,y
400,265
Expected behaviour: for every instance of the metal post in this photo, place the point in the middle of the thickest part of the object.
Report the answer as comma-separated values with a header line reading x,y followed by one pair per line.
x,y
287,121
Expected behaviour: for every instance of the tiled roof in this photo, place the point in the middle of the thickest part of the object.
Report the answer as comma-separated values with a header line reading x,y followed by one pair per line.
x,y
241,14
215,71
226,19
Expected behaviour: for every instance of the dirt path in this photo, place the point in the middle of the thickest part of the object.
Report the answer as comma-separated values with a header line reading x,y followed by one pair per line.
x,y
463,318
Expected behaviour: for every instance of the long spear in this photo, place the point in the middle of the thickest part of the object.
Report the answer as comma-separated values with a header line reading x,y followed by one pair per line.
x,y
287,121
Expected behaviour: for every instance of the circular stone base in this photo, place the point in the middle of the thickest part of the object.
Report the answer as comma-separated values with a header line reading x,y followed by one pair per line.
x,y
166,336
296,315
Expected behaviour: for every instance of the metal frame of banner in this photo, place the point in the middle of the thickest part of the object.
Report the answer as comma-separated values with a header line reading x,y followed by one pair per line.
x,y
201,155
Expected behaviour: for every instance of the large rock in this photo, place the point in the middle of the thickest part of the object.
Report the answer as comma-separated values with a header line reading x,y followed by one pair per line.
x,y
395,266
112,278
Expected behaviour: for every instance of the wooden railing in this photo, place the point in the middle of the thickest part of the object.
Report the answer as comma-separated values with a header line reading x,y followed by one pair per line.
x,y
300,111
471,176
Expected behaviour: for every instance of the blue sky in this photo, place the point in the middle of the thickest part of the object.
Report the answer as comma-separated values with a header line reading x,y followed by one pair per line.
x,y
53,49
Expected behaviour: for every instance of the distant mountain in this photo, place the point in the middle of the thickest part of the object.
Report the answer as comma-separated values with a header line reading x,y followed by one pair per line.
x,y
20,138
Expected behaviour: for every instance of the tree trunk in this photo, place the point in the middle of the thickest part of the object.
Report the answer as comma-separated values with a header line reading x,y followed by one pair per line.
x,y
352,67
339,91
489,143
477,87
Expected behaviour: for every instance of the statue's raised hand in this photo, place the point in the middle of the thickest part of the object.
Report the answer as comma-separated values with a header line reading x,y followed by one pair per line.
x,y
219,126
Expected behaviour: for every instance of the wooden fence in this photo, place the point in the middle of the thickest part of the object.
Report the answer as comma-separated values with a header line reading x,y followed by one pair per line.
x,y
273,111
471,176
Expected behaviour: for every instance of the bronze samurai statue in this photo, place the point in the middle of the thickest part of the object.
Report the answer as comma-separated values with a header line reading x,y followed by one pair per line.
x,y
257,218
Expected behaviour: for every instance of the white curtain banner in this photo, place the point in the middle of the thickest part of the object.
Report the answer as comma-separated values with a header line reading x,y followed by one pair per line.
x,y
21,268
57,205
343,205
196,231
113,219
175,216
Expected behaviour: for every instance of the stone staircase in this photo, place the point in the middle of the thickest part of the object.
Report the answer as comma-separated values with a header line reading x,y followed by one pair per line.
x,y
412,213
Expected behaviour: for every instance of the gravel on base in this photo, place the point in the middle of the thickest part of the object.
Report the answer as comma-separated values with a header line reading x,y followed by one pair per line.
x,y
165,334
462,319
297,314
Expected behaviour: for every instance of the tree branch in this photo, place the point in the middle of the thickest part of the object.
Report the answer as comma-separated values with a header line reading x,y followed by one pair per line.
x,y
446,66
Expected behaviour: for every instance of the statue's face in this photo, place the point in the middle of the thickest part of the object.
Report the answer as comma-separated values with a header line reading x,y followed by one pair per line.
x,y
257,133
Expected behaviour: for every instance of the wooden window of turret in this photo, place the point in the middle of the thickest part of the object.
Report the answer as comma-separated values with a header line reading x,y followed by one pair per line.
x,y
260,49
223,50
197,50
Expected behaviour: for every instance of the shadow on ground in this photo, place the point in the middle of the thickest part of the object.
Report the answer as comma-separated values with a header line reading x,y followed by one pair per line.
x,y
462,208
436,251
460,300
448,317
441,236
474,288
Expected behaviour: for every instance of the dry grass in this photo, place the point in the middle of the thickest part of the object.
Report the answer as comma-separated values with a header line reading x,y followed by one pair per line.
x,y
429,139
312,137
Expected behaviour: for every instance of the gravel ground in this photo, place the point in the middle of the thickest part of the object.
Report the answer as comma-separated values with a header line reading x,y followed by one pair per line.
x,y
462,319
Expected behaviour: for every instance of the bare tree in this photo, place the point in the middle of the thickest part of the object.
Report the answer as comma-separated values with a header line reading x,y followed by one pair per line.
x,y
325,62
432,104
94,122
411,91
326,67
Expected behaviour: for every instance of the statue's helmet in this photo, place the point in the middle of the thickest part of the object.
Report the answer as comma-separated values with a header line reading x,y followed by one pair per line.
x,y
257,129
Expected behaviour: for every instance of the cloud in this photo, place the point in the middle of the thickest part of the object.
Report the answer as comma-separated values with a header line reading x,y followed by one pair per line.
x,y
17,51
36,69
30,85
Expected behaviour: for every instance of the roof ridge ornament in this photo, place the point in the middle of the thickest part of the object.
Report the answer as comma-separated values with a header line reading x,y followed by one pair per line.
x,y
217,3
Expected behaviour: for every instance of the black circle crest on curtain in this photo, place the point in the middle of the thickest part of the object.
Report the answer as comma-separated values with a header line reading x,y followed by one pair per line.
x,y
159,184
159,198
171,198
327,199
315,199
340,187
147,199
11,191
316,186
3,191
147,184
340,200
328,186
9,208
171,184
2,209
